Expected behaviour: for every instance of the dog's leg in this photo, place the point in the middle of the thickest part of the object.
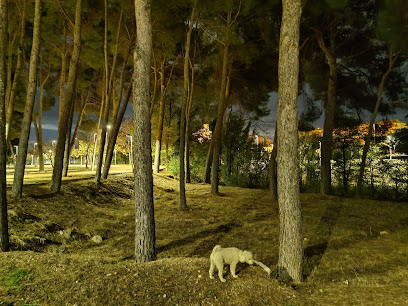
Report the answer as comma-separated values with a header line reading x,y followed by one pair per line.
x,y
220,268
232,268
211,272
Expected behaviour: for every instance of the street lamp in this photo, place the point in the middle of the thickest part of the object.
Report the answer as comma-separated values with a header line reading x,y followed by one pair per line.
x,y
108,127
33,157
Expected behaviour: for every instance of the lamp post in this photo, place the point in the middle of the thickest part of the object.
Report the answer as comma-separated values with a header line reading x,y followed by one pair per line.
x,y
16,147
33,157
94,152
108,127
131,149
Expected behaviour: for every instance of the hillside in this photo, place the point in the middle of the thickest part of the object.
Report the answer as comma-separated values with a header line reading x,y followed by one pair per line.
x,y
77,248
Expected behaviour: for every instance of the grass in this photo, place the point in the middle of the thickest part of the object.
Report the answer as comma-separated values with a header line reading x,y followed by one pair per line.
x,y
14,277
355,250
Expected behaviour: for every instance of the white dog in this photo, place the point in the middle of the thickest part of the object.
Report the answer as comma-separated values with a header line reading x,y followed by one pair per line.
x,y
229,256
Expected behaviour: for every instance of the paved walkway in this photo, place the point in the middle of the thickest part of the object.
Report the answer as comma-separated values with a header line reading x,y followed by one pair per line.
x,y
33,176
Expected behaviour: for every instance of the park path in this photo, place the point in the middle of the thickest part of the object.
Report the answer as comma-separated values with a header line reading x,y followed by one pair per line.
x,y
33,176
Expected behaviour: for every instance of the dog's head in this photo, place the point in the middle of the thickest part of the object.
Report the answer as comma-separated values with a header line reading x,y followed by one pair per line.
x,y
247,257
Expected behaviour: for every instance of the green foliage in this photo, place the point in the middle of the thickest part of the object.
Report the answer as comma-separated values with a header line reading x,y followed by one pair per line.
x,y
245,163
402,136
392,23
336,4
173,165
14,277
309,162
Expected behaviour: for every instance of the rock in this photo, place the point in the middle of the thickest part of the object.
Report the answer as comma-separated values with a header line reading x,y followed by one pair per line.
x,y
66,233
97,239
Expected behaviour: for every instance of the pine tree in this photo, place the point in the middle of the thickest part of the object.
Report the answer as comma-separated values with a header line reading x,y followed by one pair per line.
x,y
145,240
4,236
66,105
29,105
290,212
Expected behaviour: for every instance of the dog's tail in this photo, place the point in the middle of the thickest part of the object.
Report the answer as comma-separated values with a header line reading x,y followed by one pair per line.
x,y
216,248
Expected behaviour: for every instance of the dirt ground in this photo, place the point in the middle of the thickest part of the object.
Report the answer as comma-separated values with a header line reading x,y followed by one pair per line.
x,y
76,248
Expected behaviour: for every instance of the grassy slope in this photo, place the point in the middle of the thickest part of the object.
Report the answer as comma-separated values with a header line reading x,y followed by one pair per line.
x,y
356,250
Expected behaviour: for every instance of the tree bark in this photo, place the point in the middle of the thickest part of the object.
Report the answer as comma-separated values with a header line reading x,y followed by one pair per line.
x,y
188,116
84,99
220,113
156,166
20,61
114,132
63,73
208,162
326,151
183,203
154,85
9,65
67,149
39,127
367,143
290,213
17,189
4,235
145,237
98,133
273,175
108,94
105,115
117,117
66,105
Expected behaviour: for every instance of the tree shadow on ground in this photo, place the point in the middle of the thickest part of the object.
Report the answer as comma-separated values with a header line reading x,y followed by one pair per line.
x,y
313,254
204,246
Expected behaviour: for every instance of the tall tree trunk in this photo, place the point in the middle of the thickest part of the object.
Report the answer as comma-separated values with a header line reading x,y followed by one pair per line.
x,y
4,235
117,117
145,236
273,175
108,93
154,85
63,74
68,100
98,133
17,189
208,162
105,114
380,90
20,61
67,149
170,118
114,132
156,166
183,203
326,151
40,111
220,113
117,100
84,99
188,117
290,212
11,41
